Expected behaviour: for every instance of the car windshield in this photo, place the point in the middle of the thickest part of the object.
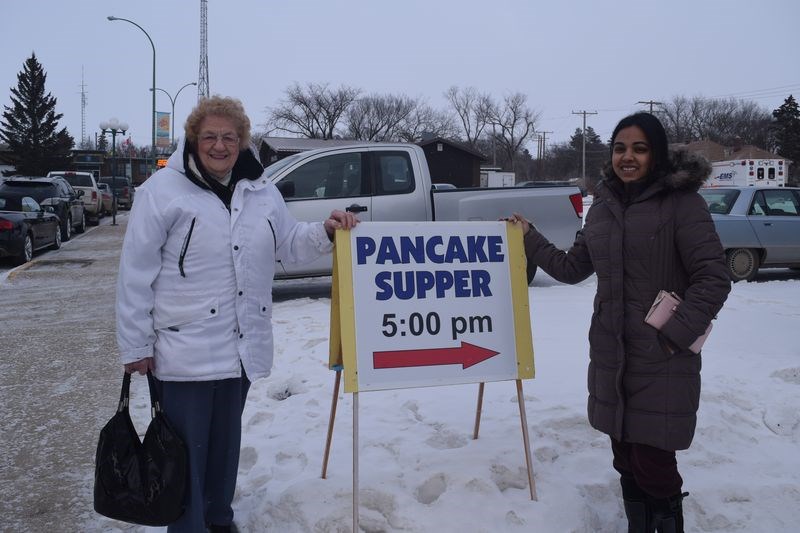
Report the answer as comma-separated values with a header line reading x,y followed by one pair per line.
x,y
36,189
78,180
271,170
10,203
115,182
720,201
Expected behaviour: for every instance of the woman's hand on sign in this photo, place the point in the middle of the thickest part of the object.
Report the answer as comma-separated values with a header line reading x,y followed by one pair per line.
x,y
516,218
339,220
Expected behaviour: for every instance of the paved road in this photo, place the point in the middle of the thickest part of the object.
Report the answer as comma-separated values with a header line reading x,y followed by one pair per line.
x,y
59,384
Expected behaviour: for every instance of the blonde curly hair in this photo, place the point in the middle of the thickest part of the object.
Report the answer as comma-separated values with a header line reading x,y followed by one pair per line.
x,y
219,106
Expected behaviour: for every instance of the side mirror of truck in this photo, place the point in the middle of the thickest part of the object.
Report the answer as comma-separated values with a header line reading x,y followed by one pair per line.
x,y
286,189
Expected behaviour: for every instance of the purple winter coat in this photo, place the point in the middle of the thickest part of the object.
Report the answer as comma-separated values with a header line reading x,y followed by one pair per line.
x,y
644,385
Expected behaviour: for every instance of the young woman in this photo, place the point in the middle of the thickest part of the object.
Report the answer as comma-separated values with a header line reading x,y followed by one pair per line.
x,y
648,229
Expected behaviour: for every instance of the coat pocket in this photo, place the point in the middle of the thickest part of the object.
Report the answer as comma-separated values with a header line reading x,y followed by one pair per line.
x,y
172,311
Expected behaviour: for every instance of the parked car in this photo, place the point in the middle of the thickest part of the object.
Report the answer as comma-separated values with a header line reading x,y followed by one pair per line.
x,y
25,226
122,187
107,197
84,181
759,227
56,193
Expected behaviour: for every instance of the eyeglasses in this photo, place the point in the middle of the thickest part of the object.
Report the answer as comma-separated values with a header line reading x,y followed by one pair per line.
x,y
228,139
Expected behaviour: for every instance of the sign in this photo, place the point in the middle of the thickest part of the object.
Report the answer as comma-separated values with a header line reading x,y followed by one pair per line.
x,y
162,129
430,303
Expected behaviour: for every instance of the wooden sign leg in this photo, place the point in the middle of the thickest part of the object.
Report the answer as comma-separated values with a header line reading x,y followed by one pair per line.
x,y
478,412
526,442
355,462
334,402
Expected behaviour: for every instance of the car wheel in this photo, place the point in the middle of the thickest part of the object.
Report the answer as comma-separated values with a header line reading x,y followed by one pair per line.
x,y
66,229
27,251
742,264
80,228
56,239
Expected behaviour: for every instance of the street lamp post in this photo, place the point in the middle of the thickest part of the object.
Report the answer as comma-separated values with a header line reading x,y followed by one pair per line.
x,y
153,112
114,127
172,101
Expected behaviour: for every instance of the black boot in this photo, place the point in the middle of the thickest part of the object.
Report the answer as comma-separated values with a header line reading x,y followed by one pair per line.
x,y
637,508
667,514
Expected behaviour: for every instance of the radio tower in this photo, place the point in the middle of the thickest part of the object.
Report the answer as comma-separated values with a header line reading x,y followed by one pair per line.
x,y
202,79
84,140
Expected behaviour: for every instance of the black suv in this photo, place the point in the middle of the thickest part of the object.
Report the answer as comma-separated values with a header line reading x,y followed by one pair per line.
x,y
122,188
55,192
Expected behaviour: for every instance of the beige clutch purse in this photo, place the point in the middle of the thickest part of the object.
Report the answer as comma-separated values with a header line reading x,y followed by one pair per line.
x,y
662,309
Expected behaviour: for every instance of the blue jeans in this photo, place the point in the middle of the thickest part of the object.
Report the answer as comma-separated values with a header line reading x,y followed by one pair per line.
x,y
208,416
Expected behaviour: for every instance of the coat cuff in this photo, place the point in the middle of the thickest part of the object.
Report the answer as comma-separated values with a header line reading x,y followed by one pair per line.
x,y
136,354
320,238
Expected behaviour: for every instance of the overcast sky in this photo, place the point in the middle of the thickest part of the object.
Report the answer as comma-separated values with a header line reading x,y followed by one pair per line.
x,y
567,56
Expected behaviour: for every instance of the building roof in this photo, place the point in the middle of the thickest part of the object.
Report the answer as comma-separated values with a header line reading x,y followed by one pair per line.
x,y
455,144
293,145
716,152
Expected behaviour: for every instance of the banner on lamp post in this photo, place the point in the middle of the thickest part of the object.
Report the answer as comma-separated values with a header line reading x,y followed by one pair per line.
x,y
162,129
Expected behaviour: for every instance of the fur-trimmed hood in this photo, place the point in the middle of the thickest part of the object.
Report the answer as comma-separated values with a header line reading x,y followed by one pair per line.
x,y
686,172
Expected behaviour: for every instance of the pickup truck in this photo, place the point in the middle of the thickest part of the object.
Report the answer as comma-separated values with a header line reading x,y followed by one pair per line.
x,y
391,182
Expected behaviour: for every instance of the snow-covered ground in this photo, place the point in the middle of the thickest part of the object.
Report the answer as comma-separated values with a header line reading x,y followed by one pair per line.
x,y
421,471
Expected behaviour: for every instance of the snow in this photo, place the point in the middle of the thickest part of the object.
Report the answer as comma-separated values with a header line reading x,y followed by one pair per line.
x,y
420,469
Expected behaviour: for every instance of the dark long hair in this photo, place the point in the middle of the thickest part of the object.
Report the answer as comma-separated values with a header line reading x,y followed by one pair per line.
x,y
656,136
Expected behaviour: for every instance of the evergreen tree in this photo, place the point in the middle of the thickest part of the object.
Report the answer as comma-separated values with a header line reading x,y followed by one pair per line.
x,y
787,133
102,143
597,153
30,125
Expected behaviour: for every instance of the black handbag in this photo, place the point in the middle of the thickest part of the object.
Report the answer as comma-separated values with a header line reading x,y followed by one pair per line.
x,y
140,482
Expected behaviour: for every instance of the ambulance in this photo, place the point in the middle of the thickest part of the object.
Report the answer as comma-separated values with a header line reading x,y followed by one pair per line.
x,y
748,173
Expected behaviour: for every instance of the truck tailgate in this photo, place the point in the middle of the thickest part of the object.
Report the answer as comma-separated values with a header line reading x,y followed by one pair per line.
x,y
549,208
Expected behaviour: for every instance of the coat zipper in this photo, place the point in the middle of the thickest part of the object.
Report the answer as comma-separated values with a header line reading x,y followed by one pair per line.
x,y
185,247
274,238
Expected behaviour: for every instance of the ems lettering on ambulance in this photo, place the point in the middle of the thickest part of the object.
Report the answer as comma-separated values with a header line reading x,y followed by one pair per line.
x,y
427,283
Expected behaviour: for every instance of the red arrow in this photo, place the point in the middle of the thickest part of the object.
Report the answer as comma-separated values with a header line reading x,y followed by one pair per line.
x,y
465,355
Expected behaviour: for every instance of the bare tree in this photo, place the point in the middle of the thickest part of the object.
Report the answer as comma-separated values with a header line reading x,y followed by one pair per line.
x,y
378,117
313,111
428,121
513,123
725,121
473,109
676,117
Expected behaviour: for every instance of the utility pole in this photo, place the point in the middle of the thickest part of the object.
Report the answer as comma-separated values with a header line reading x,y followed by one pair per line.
x,y
651,103
542,149
583,139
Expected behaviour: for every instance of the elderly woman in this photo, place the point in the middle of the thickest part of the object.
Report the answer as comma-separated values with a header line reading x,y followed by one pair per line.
x,y
194,292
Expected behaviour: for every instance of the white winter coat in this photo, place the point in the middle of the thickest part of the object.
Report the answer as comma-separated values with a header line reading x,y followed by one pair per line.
x,y
202,322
